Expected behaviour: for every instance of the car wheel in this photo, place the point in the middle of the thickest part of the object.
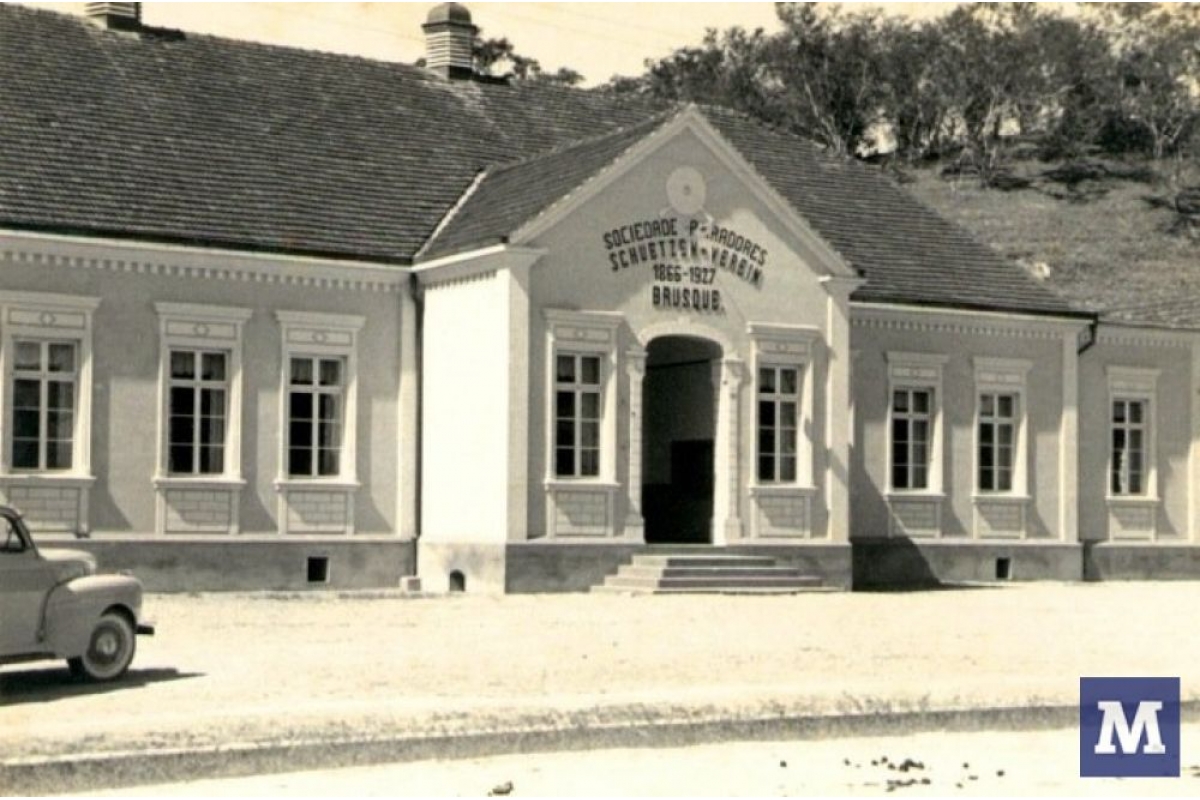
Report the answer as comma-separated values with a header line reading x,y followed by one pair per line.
x,y
109,652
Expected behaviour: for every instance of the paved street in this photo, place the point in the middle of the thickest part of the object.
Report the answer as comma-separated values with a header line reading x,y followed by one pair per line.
x,y
257,669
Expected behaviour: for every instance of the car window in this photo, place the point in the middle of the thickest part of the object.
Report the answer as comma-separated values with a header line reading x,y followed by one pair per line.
x,y
12,540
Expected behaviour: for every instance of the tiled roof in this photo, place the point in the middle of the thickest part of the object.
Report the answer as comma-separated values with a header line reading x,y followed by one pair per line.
x,y
176,137
510,195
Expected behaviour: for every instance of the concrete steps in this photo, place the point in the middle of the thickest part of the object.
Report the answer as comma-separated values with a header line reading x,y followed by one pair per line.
x,y
676,573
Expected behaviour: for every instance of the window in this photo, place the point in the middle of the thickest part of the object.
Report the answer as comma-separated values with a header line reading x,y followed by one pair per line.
x,y
44,380
778,416
198,412
998,421
577,403
315,416
912,437
1130,427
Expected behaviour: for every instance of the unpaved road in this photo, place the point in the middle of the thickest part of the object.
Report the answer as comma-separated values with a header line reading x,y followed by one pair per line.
x,y
262,669
1038,763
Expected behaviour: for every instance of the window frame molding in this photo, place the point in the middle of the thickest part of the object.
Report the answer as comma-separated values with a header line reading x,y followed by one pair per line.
x,y
192,326
787,346
914,371
42,316
583,333
315,335
1138,384
1003,376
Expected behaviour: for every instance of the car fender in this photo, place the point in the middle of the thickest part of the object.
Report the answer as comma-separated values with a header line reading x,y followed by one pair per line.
x,y
73,608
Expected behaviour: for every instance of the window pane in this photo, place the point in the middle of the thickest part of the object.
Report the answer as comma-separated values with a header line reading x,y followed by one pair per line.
x,y
766,413
1136,410
921,402
62,358
766,381
212,431
212,460
899,453
564,463
328,434
27,394
212,402
1135,440
181,430
1118,411
60,394
986,457
787,442
1006,406
564,433
920,455
329,460
900,401
212,366
25,424
58,455
766,467
301,406
591,370
986,432
589,464
302,372
589,435
28,356
300,461
766,440
179,458
565,372
300,434
787,415
59,424
183,401
1004,481
1005,434
920,478
183,365
329,407
920,431
787,381
987,405
900,476
331,372
591,405
787,469
985,479
1004,457
564,405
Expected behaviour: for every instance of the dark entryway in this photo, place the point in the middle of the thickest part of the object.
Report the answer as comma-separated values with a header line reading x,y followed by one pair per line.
x,y
679,422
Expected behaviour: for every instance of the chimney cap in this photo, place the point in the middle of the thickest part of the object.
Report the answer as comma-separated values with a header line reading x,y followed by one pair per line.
x,y
449,12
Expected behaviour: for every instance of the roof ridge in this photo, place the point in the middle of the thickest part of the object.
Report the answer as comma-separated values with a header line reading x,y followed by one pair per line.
x,y
650,123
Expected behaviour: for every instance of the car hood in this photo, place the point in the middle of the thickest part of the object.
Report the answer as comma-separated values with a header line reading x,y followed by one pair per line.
x,y
69,564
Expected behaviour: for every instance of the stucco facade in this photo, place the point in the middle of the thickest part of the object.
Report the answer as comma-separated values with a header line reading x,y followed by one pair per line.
x,y
509,337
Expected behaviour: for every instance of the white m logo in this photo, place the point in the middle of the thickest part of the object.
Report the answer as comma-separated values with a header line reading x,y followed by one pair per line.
x,y
1145,721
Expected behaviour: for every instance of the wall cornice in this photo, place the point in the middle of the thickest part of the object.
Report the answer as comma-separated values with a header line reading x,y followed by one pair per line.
x,y
962,323
112,255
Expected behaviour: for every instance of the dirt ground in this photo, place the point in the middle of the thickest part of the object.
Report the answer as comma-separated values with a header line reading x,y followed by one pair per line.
x,y
1014,764
248,668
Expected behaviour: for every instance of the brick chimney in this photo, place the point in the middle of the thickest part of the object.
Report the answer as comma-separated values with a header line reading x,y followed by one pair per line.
x,y
449,41
115,16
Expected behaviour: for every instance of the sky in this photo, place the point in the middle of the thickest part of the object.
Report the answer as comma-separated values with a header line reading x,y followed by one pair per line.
x,y
597,39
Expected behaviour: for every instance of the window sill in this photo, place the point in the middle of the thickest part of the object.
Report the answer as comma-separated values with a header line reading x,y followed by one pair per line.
x,y
1132,500
198,482
47,479
916,494
1001,498
770,489
581,485
313,484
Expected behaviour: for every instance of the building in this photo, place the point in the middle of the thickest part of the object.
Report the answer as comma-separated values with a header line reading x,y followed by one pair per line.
x,y
272,318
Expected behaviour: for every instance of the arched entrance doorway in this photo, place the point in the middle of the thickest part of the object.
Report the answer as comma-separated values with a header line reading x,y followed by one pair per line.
x,y
679,425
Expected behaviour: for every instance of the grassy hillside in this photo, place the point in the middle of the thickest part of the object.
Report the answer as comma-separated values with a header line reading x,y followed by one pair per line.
x,y
1097,241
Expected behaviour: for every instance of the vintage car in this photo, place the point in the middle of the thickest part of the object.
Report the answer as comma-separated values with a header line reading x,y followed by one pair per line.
x,y
54,605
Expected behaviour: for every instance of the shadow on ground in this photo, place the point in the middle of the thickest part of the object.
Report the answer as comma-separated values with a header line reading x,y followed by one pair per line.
x,y
47,684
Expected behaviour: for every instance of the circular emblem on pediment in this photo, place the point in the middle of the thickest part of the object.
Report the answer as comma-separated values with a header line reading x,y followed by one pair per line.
x,y
686,190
